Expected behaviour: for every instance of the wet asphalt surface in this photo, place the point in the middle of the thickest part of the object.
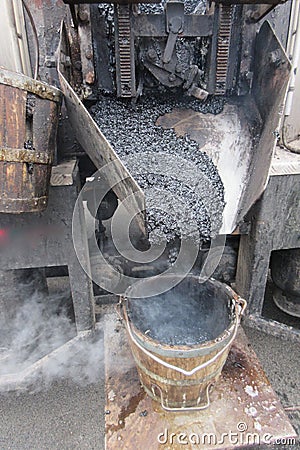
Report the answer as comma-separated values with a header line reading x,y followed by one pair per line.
x,y
65,416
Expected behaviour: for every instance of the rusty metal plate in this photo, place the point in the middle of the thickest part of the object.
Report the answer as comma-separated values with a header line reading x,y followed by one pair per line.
x,y
24,156
28,84
244,409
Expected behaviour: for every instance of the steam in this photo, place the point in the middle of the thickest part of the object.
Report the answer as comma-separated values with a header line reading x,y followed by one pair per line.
x,y
40,345
188,314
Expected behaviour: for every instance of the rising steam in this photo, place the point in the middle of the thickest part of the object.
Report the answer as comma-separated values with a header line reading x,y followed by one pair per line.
x,y
40,345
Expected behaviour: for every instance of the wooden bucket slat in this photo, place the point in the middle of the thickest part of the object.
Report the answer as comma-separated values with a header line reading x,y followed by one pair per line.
x,y
15,103
25,172
178,390
179,376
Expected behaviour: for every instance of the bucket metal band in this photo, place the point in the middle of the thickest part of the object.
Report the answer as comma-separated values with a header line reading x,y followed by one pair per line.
x,y
19,205
188,352
21,81
181,382
24,156
164,402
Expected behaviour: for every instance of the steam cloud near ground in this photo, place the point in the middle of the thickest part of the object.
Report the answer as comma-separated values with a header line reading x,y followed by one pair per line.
x,y
42,324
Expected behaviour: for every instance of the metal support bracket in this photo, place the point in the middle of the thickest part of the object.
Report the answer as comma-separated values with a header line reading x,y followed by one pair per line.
x,y
174,25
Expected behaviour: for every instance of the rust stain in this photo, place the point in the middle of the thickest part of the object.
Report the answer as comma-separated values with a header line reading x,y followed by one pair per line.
x,y
187,122
127,411
90,78
237,360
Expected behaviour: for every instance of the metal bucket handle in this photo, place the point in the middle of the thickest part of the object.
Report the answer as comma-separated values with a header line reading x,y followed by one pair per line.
x,y
240,305
183,408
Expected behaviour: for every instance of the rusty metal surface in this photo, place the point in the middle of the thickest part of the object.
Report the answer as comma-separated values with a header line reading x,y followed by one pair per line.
x,y
28,84
226,14
125,56
20,205
86,44
23,155
244,408
271,74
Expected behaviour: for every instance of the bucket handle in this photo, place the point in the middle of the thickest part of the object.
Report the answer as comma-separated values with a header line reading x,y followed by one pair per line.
x,y
183,408
240,305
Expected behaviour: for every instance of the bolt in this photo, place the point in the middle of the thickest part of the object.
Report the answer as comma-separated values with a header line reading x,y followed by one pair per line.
x,y
88,54
274,58
83,16
66,61
50,61
78,65
172,77
125,41
178,68
90,77
151,53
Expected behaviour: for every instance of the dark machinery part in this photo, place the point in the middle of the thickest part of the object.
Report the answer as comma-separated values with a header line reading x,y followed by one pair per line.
x,y
101,212
223,47
124,54
285,272
157,43
107,207
165,46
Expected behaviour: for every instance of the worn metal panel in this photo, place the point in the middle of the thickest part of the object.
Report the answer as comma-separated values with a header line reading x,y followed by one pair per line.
x,y
271,74
279,19
149,25
275,224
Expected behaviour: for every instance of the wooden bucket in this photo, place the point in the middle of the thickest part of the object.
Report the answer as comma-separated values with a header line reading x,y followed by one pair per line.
x,y
28,126
179,377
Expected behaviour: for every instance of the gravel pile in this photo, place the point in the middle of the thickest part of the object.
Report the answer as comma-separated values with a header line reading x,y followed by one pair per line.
x,y
184,192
